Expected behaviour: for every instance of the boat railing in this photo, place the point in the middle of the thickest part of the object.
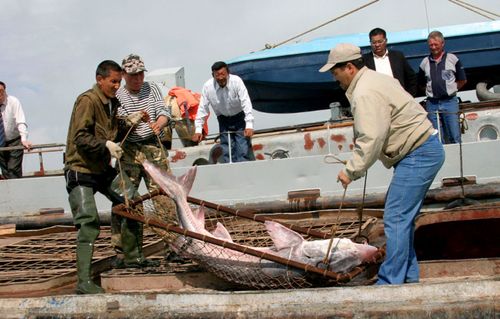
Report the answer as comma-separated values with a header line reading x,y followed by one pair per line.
x,y
39,149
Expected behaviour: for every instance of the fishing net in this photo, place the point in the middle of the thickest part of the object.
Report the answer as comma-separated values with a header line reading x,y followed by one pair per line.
x,y
249,260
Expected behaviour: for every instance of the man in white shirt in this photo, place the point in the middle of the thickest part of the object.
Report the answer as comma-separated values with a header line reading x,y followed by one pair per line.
x,y
390,62
228,96
13,132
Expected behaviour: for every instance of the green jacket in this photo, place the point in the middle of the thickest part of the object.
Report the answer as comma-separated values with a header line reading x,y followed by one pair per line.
x,y
388,122
91,125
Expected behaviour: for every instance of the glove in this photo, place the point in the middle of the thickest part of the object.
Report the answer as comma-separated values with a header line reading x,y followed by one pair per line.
x,y
114,149
134,118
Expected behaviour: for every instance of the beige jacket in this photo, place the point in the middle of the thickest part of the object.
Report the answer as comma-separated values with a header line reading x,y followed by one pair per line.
x,y
388,122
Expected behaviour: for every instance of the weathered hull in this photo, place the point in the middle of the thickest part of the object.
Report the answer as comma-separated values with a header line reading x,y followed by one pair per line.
x,y
259,181
476,299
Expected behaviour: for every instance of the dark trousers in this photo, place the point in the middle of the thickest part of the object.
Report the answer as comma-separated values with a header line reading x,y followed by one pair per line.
x,y
98,182
240,145
11,162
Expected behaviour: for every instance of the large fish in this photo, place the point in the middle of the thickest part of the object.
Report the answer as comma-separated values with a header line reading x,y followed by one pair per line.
x,y
288,244
344,253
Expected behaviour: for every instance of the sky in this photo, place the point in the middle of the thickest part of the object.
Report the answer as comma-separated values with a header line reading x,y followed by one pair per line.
x,y
50,48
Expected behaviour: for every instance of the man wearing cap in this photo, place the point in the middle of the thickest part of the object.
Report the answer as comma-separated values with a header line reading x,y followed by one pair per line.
x,y
391,126
144,110
229,98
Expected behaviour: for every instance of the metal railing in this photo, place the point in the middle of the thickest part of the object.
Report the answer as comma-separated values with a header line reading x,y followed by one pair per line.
x,y
38,149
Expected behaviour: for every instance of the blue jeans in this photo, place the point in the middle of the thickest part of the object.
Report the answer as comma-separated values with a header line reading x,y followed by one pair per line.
x,y
448,118
413,176
240,145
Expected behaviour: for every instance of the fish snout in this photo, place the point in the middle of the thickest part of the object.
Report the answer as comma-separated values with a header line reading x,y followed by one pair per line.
x,y
367,252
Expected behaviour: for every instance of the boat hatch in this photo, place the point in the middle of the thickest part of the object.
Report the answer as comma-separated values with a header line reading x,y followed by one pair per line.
x,y
461,233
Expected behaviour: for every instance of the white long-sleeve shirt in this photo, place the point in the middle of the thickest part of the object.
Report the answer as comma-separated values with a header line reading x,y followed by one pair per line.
x,y
383,64
14,121
228,101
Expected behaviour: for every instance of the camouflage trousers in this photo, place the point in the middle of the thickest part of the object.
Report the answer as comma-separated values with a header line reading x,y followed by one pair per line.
x,y
130,164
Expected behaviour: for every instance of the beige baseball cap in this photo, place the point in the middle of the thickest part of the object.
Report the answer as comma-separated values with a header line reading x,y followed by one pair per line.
x,y
343,52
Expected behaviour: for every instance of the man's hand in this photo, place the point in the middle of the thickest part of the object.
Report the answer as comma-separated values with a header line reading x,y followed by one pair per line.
x,y
342,177
135,118
114,149
248,132
27,145
159,124
155,127
197,137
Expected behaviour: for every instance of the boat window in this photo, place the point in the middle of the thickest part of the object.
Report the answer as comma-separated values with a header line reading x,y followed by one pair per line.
x,y
488,133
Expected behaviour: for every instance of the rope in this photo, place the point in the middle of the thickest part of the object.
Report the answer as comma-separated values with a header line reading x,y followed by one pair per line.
x,y
334,230
122,184
462,120
427,16
460,114
162,148
335,159
270,46
332,159
482,12
360,213
122,181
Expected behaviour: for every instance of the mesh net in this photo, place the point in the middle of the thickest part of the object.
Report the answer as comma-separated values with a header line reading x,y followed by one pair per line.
x,y
247,260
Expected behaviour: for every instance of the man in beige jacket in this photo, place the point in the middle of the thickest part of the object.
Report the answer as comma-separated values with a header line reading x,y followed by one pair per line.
x,y
391,126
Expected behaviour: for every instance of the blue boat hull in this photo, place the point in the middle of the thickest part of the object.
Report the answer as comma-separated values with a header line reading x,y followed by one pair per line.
x,y
292,83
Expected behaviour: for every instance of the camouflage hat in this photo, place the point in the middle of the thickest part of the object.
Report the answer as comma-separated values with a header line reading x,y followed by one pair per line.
x,y
133,64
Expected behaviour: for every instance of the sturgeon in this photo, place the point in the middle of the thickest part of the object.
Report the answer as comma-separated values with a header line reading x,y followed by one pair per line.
x,y
344,254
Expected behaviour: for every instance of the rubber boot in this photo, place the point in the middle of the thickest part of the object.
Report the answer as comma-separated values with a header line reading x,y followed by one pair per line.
x,y
132,239
116,241
85,284
119,188
130,231
86,219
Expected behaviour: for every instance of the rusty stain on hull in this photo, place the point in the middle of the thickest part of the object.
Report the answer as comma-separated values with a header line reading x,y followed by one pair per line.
x,y
308,142
179,155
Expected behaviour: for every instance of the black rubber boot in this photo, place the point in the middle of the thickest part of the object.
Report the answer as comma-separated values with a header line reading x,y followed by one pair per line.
x,y
118,190
132,236
130,231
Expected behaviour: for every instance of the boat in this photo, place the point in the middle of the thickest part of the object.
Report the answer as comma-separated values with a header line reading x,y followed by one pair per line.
x,y
39,273
286,79
300,186
331,136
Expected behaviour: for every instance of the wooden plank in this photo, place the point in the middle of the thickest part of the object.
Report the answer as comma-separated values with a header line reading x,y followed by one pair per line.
x,y
304,194
7,229
455,181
